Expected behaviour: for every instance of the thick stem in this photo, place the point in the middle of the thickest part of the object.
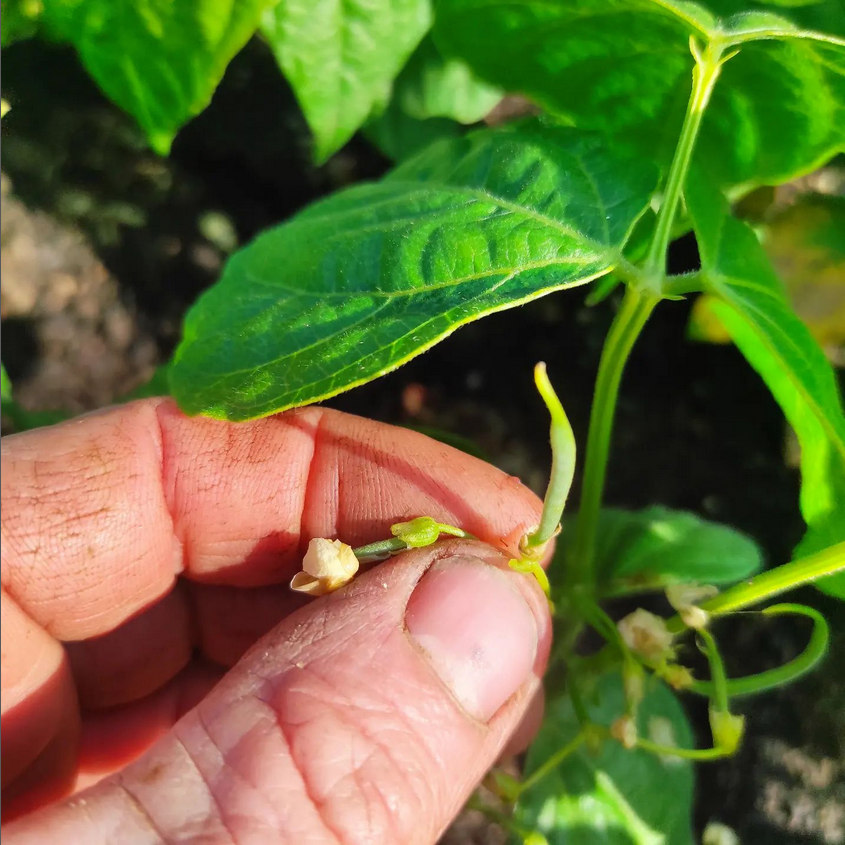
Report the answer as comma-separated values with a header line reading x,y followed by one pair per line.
x,y
708,65
636,309
768,584
632,316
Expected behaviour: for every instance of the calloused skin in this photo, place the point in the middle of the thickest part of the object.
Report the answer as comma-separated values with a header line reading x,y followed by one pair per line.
x,y
161,683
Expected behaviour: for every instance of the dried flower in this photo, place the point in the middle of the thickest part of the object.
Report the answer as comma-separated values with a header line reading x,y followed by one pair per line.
x,y
662,731
646,635
685,598
624,729
678,677
328,565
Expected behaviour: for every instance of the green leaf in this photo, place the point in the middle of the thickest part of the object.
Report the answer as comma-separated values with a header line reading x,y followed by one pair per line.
x,y
433,86
651,548
5,385
161,61
363,281
400,136
618,797
750,302
341,57
623,67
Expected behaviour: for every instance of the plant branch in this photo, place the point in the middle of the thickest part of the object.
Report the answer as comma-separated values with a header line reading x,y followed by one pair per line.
x,y
768,584
708,65
773,678
553,762
627,325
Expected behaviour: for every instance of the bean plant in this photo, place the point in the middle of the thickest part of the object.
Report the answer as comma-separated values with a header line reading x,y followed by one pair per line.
x,y
650,119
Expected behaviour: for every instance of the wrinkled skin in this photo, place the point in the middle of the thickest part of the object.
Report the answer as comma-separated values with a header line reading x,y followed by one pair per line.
x,y
160,682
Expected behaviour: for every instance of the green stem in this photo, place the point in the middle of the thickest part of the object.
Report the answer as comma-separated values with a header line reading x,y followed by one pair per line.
x,y
627,325
700,754
772,678
719,681
707,68
636,308
768,584
381,548
552,763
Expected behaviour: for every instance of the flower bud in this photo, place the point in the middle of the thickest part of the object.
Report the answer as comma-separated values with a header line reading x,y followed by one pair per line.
x,y
502,784
633,682
417,533
727,729
328,565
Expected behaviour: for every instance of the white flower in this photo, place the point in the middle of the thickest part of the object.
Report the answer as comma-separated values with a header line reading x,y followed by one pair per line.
x,y
685,598
646,634
662,731
328,565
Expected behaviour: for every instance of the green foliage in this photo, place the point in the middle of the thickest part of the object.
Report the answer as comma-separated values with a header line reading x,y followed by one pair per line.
x,y
5,385
341,57
623,67
651,548
400,136
433,86
359,283
161,61
431,97
751,304
617,796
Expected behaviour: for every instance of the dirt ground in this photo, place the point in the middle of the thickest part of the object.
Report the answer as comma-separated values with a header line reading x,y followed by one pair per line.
x,y
104,245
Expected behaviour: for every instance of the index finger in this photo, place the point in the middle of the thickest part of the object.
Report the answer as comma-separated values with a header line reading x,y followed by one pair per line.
x,y
101,514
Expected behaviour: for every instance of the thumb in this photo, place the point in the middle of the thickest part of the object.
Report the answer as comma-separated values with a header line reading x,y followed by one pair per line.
x,y
367,716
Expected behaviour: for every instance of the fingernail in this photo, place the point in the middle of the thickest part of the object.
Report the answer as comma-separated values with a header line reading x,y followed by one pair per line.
x,y
477,631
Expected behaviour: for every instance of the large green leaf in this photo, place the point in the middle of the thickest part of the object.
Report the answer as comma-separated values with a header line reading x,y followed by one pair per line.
x,y
341,57
363,281
159,59
750,302
651,548
617,797
624,67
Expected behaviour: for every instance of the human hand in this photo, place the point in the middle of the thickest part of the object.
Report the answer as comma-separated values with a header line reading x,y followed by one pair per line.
x,y
142,548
